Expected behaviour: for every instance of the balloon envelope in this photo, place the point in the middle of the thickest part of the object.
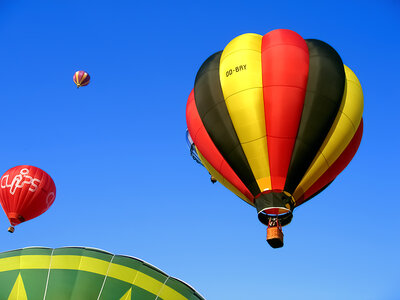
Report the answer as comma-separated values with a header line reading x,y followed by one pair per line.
x,y
270,115
25,193
81,78
85,273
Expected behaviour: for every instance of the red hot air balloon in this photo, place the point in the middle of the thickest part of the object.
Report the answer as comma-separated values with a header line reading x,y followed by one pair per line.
x,y
81,78
25,193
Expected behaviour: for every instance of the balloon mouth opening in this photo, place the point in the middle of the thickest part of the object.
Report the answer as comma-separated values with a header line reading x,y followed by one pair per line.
x,y
15,219
283,218
275,211
275,204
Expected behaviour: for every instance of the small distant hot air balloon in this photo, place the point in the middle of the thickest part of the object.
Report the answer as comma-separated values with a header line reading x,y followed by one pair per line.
x,y
81,78
25,193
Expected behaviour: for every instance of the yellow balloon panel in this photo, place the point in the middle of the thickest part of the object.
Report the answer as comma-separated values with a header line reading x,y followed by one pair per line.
x,y
256,153
18,291
35,262
340,134
240,64
353,108
247,41
247,114
221,179
122,273
241,83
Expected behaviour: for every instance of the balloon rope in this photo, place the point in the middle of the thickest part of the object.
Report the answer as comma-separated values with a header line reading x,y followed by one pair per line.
x,y
105,277
48,275
159,292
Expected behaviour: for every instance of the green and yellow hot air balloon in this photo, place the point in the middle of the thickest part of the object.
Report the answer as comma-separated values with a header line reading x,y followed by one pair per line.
x,y
85,274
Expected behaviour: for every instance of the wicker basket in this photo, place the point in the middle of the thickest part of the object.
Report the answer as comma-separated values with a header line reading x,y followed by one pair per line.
x,y
275,237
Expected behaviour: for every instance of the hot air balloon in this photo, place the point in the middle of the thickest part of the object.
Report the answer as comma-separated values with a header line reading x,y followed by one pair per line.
x,y
275,119
26,192
85,273
81,78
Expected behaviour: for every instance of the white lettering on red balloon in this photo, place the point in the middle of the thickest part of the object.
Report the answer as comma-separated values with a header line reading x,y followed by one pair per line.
x,y
19,181
50,198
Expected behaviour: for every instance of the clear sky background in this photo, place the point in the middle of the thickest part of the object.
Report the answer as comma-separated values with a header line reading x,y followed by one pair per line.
x,y
117,152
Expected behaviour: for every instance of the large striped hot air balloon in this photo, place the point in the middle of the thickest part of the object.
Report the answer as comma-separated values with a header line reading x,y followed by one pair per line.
x,y
81,78
86,274
275,119
25,193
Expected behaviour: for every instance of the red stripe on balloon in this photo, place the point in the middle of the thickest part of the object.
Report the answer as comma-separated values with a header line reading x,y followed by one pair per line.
x,y
336,168
207,148
80,75
285,62
86,80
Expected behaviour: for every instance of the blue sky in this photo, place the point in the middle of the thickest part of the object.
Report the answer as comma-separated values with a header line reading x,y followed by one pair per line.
x,y
117,153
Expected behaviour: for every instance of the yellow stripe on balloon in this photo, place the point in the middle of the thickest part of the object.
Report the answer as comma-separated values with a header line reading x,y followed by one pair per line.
x,y
83,263
135,277
83,77
340,134
92,265
24,262
241,81
221,179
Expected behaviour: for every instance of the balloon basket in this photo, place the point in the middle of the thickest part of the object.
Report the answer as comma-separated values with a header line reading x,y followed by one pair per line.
x,y
11,229
275,236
